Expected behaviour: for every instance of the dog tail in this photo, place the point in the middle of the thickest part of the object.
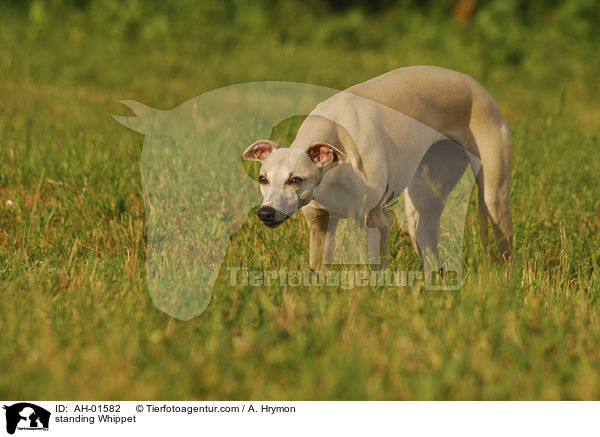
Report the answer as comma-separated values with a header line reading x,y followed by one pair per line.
x,y
483,217
499,216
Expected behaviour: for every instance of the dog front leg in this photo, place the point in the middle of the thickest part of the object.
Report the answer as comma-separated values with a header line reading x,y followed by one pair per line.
x,y
329,241
378,223
318,220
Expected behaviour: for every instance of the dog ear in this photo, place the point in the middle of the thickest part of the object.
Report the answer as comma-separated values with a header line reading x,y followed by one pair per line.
x,y
259,150
324,154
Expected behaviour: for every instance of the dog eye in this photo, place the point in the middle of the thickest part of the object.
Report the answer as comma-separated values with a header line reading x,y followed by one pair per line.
x,y
295,180
262,180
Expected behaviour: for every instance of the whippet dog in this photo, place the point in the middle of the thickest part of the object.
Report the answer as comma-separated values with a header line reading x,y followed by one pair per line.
x,y
412,129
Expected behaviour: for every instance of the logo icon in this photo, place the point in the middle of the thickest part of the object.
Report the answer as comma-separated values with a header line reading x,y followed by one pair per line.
x,y
26,416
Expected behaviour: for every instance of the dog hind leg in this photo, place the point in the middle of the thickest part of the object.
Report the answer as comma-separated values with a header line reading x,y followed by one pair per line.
x,y
425,198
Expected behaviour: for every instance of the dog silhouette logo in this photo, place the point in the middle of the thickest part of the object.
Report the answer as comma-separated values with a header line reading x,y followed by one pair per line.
x,y
26,416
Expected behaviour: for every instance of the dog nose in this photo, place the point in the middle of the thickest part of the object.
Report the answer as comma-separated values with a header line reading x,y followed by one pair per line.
x,y
266,214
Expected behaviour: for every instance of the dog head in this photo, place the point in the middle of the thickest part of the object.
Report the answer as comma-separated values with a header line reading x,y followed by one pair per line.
x,y
288,177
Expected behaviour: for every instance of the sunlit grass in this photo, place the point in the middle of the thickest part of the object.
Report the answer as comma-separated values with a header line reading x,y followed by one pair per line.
x,y
76,317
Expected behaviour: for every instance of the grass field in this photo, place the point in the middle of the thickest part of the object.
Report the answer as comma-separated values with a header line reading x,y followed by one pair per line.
x,y
76,319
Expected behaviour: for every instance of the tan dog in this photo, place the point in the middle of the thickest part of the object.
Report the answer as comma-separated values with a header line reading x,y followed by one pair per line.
x,y
357,151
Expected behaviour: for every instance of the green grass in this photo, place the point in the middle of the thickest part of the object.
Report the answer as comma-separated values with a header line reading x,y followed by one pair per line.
x,y
76,319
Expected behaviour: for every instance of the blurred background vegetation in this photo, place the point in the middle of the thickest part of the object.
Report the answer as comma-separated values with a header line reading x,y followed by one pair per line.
x,y
547,40
72,237
536,58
